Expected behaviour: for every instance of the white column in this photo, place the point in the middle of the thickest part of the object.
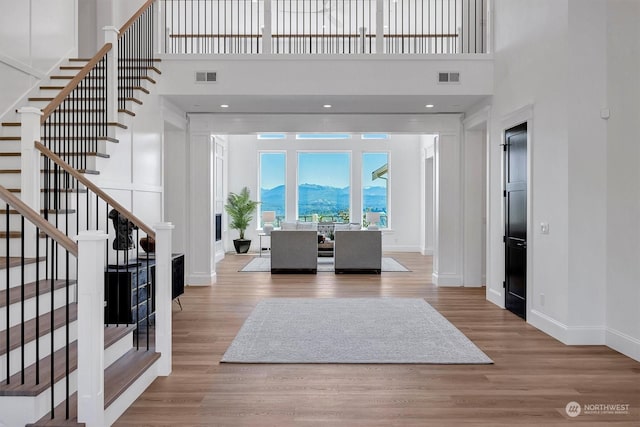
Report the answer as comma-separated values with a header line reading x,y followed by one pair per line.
x,y
266,31
200,259
111,36
163,296
448,223
380,27
91,265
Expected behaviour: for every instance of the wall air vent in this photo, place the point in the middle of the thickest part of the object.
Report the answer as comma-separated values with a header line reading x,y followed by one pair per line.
x,y
448,77
206,77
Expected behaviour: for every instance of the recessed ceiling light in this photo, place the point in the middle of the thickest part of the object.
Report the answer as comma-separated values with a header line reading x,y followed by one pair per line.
x,y
224,105
323,136
429,106
327,105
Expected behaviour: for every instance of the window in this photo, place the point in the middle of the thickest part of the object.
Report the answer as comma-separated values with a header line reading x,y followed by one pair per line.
x,y
324,186
375,189
273,185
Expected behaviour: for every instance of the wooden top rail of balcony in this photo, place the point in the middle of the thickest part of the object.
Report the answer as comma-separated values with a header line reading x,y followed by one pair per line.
x,y
311,35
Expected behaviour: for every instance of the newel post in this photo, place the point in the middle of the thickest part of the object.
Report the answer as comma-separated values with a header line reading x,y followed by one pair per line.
x,y
30,166
91,266
111,36
163,296
30,156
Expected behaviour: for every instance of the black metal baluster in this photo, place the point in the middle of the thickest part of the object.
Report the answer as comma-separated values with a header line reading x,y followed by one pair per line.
x,y
67,320
22,263
7,301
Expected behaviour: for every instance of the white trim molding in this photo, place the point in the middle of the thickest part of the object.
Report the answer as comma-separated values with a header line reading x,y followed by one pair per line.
x,y
201,279
445,279
623,343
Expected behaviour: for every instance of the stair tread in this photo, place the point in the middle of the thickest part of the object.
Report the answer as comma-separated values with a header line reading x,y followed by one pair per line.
x,y
30,290
125,371
59,319
14,261
133,363
11,124
10,154
111,335
45,190
122,110
10,138
42,211
132,99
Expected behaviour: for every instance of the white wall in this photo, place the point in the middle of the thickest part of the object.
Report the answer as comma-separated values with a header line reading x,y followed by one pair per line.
x,y
34,37
583,180
531,68
133,175
404,172
623,178
427,182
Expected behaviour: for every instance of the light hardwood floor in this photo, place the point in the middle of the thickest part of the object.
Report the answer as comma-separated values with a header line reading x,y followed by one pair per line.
x,y
531,382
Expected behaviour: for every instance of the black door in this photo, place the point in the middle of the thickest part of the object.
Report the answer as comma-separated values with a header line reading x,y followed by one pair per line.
x,y
515,227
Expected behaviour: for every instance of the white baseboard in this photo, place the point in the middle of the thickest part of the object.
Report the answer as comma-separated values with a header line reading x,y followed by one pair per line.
x,y
201,279
426,251
495,297
623,343
219,256
569,335
447,279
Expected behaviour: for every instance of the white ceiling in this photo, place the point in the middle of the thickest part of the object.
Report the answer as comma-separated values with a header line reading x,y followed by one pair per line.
x,y
310,104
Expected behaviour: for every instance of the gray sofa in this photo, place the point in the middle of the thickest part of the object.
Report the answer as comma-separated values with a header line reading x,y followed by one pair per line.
x,y
358,252
294,251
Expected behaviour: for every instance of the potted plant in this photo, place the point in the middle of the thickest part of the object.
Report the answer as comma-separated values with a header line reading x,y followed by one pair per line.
x,y
240,208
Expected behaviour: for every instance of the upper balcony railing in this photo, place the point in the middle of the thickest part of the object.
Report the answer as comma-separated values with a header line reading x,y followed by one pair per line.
x,y
323,26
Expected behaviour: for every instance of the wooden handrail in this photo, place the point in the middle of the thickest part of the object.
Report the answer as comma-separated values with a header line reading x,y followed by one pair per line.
x,y
46,112
131,20
334,35
91,186
38,221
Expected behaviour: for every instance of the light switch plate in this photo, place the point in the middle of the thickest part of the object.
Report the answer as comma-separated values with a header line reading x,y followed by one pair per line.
x,y
544,228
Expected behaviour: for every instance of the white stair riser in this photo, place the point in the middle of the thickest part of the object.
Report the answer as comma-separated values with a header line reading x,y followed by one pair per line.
x,y
19,411
15,222
118,349
15,356
15,275
9,162
15,310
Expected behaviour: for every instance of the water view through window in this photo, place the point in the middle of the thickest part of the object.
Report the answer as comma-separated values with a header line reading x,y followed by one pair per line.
x,y
273,185
324,191
375,196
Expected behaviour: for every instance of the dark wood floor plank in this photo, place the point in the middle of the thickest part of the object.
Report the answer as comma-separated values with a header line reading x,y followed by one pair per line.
x,y
531,382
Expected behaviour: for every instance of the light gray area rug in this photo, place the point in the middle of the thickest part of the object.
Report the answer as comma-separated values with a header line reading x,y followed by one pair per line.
x,y
325,264
350,330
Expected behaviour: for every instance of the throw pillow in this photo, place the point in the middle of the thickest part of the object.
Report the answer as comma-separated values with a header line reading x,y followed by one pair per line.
x,y
307,226
287,225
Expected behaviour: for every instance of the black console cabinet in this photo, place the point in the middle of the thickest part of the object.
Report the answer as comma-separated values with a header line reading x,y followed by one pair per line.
x,y
129,291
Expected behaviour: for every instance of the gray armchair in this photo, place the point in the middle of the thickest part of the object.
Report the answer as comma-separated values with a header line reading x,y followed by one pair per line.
x,y
358,252
294,251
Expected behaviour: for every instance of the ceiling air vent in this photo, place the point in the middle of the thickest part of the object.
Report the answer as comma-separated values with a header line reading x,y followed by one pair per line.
x,y
449,77
206,76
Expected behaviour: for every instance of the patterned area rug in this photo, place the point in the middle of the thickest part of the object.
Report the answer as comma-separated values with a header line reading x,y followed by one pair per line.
x,y
350,330
325,264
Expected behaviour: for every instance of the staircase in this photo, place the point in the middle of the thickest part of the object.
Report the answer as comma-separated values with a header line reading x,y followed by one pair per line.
x,y
47,326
